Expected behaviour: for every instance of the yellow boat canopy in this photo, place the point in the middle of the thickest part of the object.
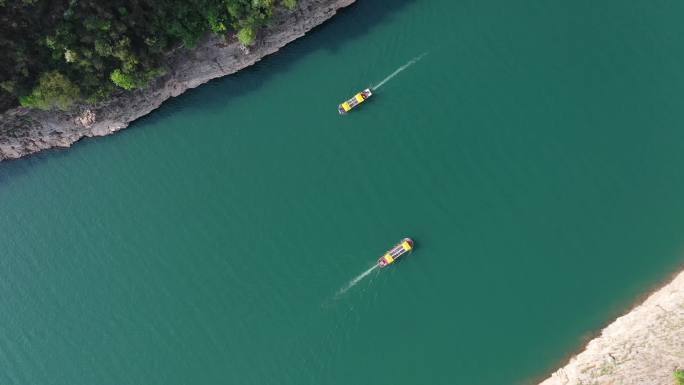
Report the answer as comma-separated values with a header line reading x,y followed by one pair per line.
x,y
406,246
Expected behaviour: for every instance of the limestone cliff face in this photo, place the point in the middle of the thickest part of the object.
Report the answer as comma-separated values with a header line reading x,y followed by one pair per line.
x,y
642,347
24,131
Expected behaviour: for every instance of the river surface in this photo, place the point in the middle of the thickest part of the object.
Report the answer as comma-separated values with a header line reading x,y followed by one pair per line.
x,y
535,155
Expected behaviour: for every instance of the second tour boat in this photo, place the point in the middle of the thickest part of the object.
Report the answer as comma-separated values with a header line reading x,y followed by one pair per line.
x,y
397,251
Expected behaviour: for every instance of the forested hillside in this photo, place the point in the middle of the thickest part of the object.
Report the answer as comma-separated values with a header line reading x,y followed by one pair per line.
x,y
55,52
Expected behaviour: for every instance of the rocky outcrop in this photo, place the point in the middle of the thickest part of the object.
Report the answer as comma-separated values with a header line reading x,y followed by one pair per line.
x,y
24,131
642,347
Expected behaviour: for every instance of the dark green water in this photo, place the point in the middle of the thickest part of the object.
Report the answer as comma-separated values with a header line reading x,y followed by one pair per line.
x,y
535,155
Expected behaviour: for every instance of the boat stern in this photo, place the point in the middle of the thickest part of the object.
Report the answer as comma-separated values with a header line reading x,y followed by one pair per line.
x,y
385,260
343,108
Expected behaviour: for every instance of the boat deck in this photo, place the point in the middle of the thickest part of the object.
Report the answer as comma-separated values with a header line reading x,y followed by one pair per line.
x,y
354,101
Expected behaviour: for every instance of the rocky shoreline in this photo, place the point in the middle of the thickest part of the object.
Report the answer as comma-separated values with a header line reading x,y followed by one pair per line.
x,y
643,347
24,131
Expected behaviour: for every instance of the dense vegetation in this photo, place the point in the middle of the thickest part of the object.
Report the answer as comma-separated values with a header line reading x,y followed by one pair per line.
x,y
55,52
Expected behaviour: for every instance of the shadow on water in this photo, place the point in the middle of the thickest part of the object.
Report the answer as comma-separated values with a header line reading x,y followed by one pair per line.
x,y
15,167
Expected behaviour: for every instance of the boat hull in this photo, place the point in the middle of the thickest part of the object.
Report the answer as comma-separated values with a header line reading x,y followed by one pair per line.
x,y
401,248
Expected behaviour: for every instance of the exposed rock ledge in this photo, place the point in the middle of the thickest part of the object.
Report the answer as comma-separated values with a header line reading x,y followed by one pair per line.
x,y
642,347
24,131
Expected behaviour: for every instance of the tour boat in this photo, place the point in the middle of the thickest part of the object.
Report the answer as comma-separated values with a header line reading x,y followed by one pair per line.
x,y
354,101
397,251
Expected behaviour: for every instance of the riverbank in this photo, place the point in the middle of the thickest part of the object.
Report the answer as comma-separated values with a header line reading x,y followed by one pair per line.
x,y
642,347
24,131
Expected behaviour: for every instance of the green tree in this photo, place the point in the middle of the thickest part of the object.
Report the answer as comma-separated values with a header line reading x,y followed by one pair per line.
x,y
290,4
132,80
246,35
124,80
54,91
216,21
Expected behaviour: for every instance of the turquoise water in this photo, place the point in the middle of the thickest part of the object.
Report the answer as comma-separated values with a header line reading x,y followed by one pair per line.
x,y
534,155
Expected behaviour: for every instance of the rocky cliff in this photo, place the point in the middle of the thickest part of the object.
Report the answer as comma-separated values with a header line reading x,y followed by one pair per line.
x,y
24,131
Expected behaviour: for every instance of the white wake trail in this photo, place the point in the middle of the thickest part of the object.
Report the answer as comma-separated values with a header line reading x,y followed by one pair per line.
x,y
396,72
356,280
